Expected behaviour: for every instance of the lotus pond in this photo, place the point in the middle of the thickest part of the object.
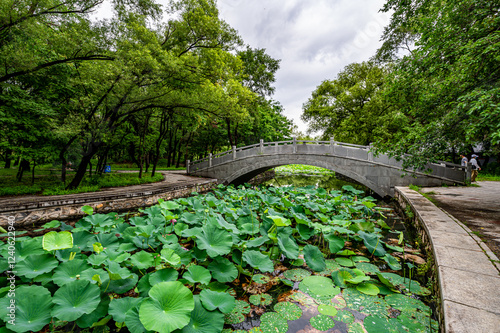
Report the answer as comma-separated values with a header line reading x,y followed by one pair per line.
x,y
263,259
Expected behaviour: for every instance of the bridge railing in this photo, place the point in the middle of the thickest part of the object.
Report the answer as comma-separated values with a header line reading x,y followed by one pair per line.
x,y
334,148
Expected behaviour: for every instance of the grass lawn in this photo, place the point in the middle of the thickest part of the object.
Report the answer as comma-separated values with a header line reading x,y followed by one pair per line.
x,y
487,177
47,182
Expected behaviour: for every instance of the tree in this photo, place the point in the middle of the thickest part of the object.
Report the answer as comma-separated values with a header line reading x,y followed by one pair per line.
x,y
348,107
448,86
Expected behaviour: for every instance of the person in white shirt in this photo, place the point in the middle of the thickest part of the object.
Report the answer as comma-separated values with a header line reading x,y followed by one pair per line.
x,y
475,167
465,160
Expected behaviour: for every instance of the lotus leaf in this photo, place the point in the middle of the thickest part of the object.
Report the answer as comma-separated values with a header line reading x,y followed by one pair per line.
x,y
168,308
133,321
170,256
57,240
28,247
35,265
370,305
344,316
212,300
392,262
360,259
163,275
405,303
288,245
368,288
256,242
238,314
314,258
197,274
142,260
88,320
346,262
215,241
318,287
116,272
393,280
258,260
69,271
327,310
305,231
342,276
119,307
203,321
223,270
99,220
272,322
288,310
260,279
322,322
261,299
367,268
123,285
376,324
75,299
108,241
297,274
32,308
280,221
373,243
51,224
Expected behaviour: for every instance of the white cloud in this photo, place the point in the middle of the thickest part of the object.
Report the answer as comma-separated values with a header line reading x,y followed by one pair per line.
x,y
314,39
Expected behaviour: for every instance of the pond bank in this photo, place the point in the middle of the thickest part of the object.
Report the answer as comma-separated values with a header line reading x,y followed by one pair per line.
x,y
28,210
467,275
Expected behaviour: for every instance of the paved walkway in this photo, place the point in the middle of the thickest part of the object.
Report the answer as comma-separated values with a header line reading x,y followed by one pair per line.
x,y
467,270
476,207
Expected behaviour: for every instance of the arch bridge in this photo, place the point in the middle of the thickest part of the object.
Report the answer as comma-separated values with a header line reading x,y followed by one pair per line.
x,y
380,173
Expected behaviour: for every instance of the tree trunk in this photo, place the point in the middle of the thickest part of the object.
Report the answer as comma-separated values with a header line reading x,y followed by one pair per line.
x,y
82,167
24,165
8,156
33,173
63,158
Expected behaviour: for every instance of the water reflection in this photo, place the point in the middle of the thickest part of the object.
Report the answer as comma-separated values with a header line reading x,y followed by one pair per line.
x,y
328,182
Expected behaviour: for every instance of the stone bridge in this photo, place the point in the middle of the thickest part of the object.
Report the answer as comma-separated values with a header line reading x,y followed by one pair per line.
x,y
380,173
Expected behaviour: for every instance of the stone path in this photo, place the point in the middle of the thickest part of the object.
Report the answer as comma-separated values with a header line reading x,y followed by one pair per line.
x,y
476,207
36,209
467,270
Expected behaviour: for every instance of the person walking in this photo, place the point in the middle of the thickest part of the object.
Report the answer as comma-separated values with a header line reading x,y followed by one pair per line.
x,y
465,160
475,167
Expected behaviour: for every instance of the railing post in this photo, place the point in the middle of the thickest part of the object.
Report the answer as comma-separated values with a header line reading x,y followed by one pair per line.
x,y
187,166
468,172
234,153
261,146
370,152
294,145
210,160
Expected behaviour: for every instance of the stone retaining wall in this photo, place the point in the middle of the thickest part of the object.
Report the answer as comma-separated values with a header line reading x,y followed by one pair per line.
x,y
73,211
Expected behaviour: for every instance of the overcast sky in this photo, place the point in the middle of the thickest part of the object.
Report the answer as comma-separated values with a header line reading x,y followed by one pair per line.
x,y
315,39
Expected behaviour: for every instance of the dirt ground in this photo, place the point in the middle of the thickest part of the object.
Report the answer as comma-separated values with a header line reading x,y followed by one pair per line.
x,y
477,207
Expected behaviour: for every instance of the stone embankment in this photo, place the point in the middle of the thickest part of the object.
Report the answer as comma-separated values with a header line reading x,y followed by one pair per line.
x,y
30,210
466,270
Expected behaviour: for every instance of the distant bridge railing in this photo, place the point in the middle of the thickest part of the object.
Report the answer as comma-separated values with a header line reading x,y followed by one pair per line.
x,y
333,148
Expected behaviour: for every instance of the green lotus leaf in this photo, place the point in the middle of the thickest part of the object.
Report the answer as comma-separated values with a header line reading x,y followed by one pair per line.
x,y
197,274
391,279
346,262
342,276
215,241
35,265
223,270
26,248
219,221
51,224
305,231
238,314
344,316
256,242
296,274
367,304
322,322
142,260
346,253
259,261
373,243
75,299
280,221
288,310
260,279
335,243
169,205
212,300
53,240
116,272
376,324
392,262
121,286
203,321
367,268
360,259
32,308
327,310
170,256
119,307
163,275
109,241
273,322
99,220
168,308
318,287
133,321
261,299
69,271
288,246
314,258
368,288
406,303
88,320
